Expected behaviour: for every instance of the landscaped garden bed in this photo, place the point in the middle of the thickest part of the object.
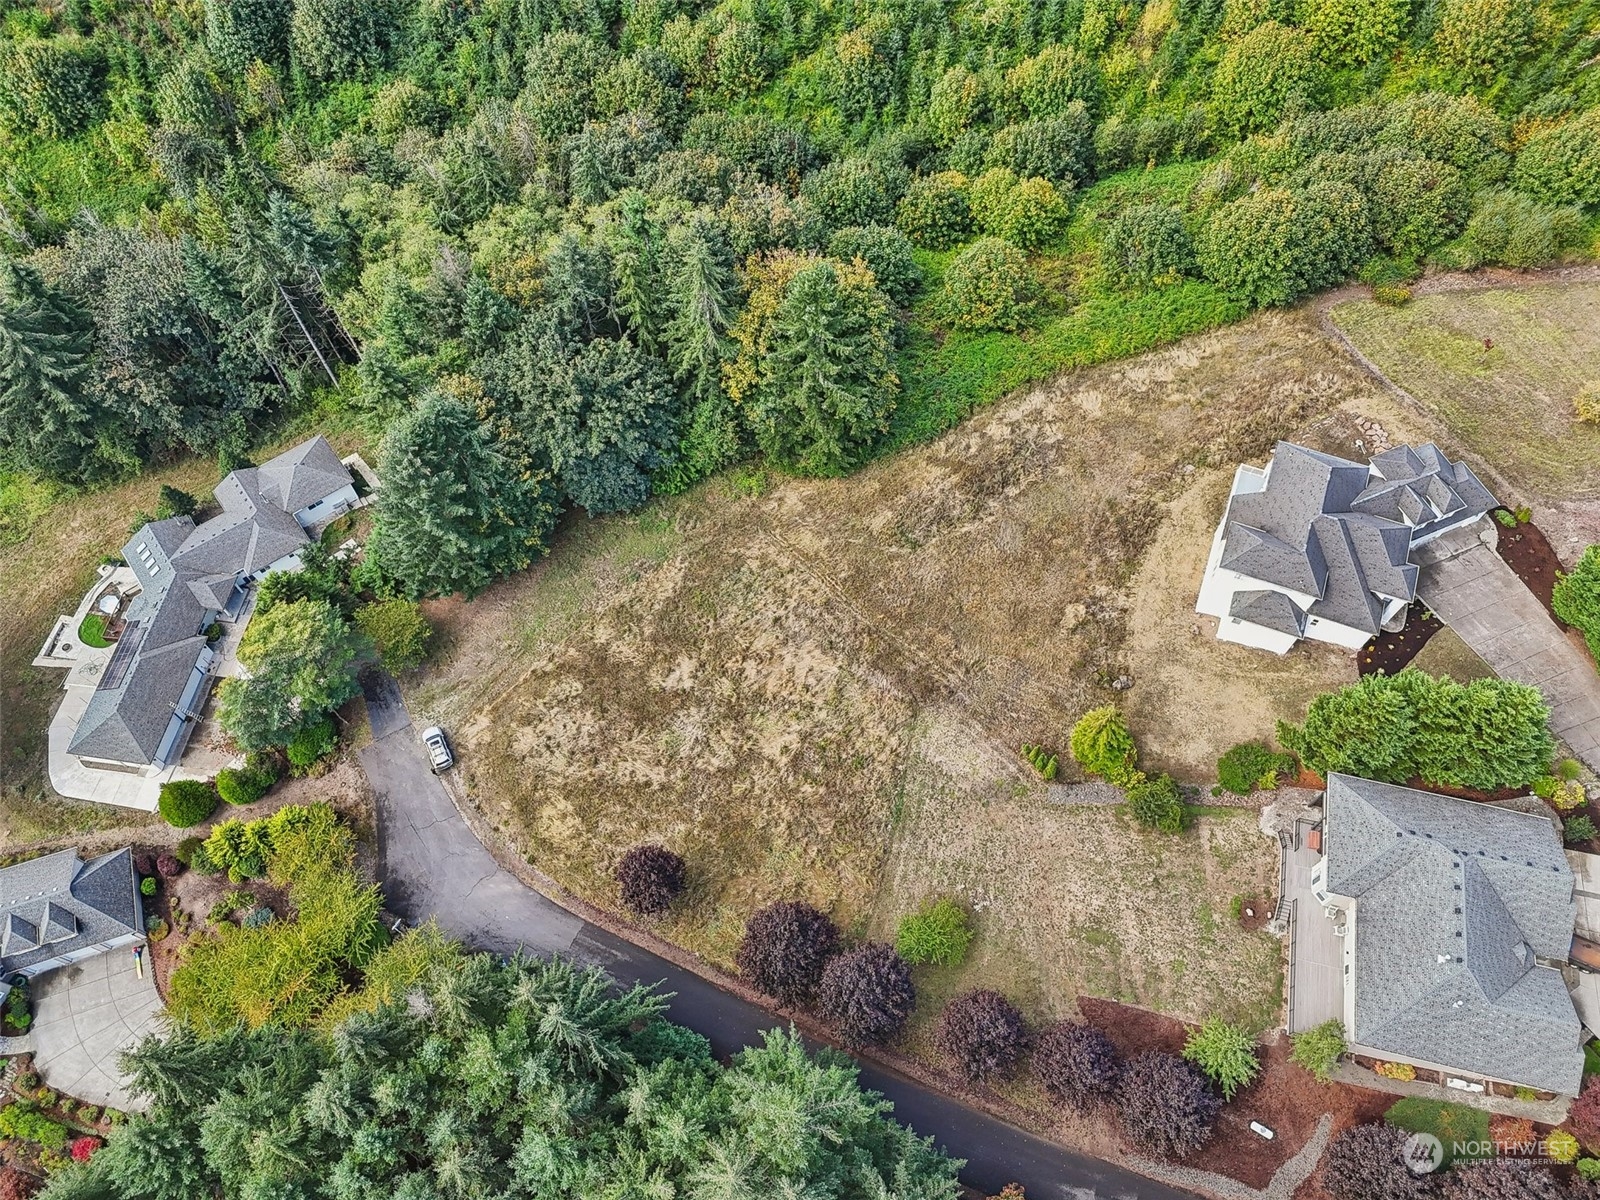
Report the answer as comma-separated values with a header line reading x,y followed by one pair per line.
x,y
1285,1098
41,1130
1390,653
1527,551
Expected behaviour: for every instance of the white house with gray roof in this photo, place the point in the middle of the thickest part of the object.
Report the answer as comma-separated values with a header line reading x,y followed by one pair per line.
x,y
147,697
1455,920
58,909
1316,546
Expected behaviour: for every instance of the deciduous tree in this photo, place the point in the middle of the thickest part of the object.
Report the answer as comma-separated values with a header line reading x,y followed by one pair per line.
x,y
785,947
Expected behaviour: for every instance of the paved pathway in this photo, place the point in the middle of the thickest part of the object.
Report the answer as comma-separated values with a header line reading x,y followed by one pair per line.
x,y
432,865
84,1016
1467,584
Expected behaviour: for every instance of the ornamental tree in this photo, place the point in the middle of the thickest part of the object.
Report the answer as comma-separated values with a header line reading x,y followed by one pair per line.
x,y
1165,1105
1102,745
1155,803
982,1033
785,947
1226,1053
302,658
1367,1162
867,992
1076,1064
650,878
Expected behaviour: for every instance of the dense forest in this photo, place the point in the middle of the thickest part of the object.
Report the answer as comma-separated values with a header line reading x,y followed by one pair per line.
x,y
571,253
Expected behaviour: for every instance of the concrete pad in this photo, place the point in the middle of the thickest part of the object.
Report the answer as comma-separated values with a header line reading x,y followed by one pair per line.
x,y
86,1015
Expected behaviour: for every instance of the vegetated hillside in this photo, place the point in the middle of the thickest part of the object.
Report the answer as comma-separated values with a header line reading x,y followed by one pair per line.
x,y
639,239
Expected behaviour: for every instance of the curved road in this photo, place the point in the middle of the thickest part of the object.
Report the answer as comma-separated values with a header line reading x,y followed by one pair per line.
x,y
433,866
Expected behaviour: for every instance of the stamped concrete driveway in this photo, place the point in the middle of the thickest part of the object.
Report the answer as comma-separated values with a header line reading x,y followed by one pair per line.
x,y
84,1016
1472,589
432,865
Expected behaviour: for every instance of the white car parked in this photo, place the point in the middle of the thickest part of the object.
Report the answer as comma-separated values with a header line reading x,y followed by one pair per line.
x,y
440,756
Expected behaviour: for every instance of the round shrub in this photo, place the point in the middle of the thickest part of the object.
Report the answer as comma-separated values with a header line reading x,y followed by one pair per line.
x,y
1155,803
1147,245
310,744
982,1033
186,848
246,784
1249,766
987,286
1563,164
1459,130
1060,149
867,993
1047,84
1165,1105
786,945
1275,245
1586,404
1225,1053
1270,73
168,866
148,885
650,878
1351,32
1515,230
1417,204
1481,37
887,254
1367,1162
1029,213
1076,1065
853,191
956,104
186,802
937,934
934,211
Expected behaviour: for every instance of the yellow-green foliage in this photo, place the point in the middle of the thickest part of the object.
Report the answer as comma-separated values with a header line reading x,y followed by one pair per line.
x,y
394,971
286,972
1586,404
1103,746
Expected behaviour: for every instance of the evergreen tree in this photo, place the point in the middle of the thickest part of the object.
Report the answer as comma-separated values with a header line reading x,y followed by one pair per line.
x,y
454,513
48,411
700,301
240,32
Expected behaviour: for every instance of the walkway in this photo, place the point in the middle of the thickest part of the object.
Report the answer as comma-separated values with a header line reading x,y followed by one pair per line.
x,y
1316,955
432,865
1467,584
84,1016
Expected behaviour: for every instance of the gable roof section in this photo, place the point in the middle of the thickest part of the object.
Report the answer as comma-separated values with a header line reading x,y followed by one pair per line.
x,y
56,904
1269,609
1456,904
302,475
126,723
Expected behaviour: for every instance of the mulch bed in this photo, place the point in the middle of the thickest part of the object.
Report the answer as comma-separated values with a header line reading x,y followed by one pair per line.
x,y
1284,1098
1254,913
1528,553
1390,652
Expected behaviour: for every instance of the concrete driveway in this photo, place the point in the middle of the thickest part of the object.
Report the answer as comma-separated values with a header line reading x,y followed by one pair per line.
x,y
431,864
87,1014
1472,589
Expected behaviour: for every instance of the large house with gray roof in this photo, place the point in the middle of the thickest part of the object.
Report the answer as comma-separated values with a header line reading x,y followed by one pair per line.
x,y
58,909
1316,546
151,689
1455,920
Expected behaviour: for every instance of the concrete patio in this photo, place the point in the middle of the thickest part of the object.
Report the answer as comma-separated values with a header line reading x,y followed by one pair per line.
x,y
87,1014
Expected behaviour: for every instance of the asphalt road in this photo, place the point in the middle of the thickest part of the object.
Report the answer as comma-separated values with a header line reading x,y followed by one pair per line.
x,y
433,866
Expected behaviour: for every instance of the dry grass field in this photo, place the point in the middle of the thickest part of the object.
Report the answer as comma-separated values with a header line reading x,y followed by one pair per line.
x,y
1500,368
817,688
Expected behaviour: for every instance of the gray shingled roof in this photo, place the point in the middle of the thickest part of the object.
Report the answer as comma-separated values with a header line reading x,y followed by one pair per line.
x,y
1342,532
1455,904
186,574
56,904
302,475
1269,609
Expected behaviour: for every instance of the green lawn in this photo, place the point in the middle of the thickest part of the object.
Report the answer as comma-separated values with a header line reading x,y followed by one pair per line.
x,y
1463,1131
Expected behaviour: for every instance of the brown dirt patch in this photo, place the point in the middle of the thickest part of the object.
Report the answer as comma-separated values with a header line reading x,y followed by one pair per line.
x,y
1527,551
1254,913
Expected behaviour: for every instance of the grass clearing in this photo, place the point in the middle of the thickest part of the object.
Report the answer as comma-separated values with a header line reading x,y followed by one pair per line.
x,y
1500,368
1461,1130
758,674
